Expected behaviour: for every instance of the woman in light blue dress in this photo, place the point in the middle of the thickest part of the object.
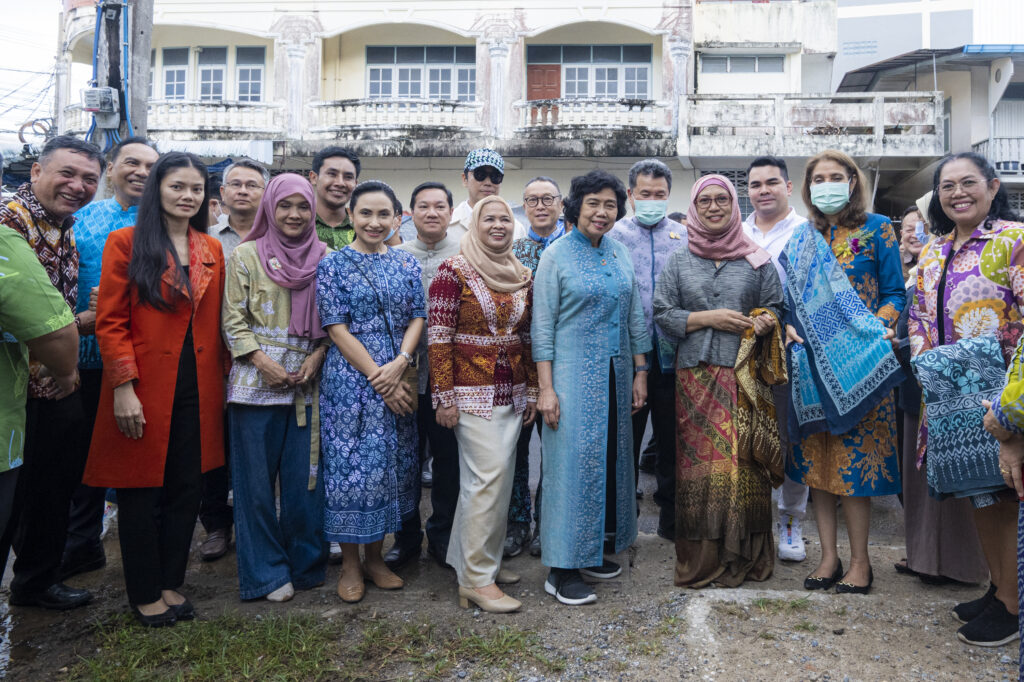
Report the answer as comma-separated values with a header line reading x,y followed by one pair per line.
x,y
589,343
371,304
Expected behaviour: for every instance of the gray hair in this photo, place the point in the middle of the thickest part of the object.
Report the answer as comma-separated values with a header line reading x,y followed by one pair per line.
x,y
652,167
251,165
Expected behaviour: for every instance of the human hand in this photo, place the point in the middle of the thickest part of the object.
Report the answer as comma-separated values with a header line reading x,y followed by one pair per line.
x,y
388,375
400,401
128,411
310,367
792,336
529,414
763,324
1011,457
94,295
447,417
86,322
274,375
547,405
727,320
992,424
639,391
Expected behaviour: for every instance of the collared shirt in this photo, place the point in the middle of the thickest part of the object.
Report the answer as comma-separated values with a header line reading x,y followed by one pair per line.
x,y
29,308
227,236
53,241
775,240
336,236
463,214
650,247
529,248
93,224
430,257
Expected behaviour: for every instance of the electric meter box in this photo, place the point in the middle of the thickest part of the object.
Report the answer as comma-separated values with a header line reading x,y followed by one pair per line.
x,y
104,104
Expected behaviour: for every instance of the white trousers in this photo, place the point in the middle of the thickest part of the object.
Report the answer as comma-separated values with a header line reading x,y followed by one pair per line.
x,y
487,462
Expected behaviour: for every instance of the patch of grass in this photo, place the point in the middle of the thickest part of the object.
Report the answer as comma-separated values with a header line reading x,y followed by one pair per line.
x,y
296,647
806,626
841,611
734,610
765,634
669,626
590,656
773,606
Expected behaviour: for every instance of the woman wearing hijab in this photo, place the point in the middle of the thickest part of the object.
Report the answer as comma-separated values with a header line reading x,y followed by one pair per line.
x,y
273,331
844,293
370,300
484,385
722,299
589,343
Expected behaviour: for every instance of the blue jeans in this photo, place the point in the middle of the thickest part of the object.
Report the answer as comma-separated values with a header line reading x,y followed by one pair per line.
x,y
266,444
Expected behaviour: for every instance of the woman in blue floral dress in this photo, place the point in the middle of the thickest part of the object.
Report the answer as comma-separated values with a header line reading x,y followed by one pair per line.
x,y
371,304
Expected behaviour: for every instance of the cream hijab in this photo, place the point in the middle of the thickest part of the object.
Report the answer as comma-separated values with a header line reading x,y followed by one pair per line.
x,y
499,269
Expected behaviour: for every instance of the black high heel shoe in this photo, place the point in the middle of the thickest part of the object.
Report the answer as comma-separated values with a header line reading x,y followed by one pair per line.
x,y
843,587
815,583
157,620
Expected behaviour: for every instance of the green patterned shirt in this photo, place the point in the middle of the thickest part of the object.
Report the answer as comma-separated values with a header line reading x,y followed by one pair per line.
x,y
336,237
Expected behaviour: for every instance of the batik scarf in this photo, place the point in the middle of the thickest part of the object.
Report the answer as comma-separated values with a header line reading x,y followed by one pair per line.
x,y
844,368
962,458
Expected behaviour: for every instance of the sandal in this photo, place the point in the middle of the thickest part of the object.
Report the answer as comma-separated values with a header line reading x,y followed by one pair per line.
x,y
903,568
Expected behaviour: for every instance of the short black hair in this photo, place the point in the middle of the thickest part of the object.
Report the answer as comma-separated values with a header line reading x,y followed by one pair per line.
x,y
677,216
213,185
653,167
592,183
542,178
371,186
330,153
431,185
940,223
134,139
910,209
86,149
762,161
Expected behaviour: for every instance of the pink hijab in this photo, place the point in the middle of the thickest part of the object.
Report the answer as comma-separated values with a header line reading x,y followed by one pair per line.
x,y
291,262
728,244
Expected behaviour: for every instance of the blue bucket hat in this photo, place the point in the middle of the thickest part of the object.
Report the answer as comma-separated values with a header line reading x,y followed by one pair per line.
x,y
484,157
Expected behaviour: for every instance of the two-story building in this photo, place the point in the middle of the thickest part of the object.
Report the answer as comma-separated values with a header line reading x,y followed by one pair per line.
x,y
557,87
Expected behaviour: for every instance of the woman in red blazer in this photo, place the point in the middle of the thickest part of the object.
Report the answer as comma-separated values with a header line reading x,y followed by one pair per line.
x,y
160,419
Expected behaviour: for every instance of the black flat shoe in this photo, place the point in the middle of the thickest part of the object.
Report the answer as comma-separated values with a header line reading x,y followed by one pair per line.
x,y
399,556
816,583
843,587
184,610
57,597
158,620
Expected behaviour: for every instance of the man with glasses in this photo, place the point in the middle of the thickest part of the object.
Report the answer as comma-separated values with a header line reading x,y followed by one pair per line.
x,y
244,182
651,238
482,175
770,226
542,202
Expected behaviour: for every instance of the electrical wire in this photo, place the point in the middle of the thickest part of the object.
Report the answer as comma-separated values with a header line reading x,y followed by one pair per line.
x,y
125,75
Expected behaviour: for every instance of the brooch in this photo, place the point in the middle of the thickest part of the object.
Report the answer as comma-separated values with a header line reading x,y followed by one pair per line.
x,y
673,235
274,263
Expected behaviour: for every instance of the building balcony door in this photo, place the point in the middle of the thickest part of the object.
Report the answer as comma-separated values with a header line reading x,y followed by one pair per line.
x,y
543,82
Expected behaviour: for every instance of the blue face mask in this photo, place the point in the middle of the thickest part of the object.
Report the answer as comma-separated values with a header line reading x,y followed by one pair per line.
x,y
650,211
920,234
830,197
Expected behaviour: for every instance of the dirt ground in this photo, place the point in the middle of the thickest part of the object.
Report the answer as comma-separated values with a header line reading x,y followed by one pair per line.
x,y
642,628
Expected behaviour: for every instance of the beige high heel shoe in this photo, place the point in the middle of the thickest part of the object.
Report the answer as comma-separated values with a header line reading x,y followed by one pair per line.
x,y
505,604
506,577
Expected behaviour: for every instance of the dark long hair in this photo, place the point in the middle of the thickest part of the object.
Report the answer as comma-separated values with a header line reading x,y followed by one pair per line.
x,y
941,224
149,252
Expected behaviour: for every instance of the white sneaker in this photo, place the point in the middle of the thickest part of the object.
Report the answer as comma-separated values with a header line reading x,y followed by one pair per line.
x,y
335,555
282,594
791,542
109,515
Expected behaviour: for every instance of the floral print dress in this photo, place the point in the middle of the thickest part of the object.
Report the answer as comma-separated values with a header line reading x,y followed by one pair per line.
x,y
864,460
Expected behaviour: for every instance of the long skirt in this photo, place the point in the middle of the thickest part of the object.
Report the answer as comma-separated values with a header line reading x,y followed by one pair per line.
x,y
723,497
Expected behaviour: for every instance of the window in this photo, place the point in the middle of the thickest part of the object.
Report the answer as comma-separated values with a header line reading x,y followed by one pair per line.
x,y
443,72
1016,200
175,72
249,65
213,63
598,71
743,63
739,180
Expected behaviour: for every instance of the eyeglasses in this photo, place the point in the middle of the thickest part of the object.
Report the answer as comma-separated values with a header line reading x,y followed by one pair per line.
x,y
481,173
546,200
967,185
251,186
722,200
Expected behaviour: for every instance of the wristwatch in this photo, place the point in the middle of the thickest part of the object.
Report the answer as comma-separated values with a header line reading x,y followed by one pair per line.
x,y
408,357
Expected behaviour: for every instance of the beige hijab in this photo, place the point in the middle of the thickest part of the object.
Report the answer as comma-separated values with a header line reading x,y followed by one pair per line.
x,y
500,269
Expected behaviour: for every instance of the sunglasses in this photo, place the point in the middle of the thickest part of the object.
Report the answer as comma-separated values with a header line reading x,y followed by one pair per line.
x,y
481,173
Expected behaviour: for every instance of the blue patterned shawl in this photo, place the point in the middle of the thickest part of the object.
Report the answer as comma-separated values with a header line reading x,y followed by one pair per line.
x,y
962,458
844,368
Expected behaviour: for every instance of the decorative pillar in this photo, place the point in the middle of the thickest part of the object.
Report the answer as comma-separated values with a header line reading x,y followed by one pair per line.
x,y
498,52
679,52
296,95
297,55
62,92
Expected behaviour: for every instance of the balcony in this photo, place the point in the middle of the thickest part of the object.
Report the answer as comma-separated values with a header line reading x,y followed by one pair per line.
x,y
1006,154
593,127
187,120
898,124
376,119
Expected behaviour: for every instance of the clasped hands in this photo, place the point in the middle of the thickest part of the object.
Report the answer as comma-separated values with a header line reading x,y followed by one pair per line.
x,y
276,376
728,320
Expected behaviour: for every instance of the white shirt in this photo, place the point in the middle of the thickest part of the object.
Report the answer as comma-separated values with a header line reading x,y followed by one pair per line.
x,y
776,238
460,223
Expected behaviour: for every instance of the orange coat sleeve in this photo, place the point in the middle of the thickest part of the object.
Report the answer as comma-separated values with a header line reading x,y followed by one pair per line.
x,y
114,310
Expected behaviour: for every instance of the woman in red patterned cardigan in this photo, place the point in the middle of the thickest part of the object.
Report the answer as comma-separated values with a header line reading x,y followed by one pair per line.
x,y
484,385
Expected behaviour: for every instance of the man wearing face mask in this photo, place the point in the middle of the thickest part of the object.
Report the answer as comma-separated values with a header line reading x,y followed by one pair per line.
x,y
651,238
770,226
482,175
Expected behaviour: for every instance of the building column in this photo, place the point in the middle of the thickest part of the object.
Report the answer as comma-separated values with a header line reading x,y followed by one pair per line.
x,y
498,53
62,92
297,55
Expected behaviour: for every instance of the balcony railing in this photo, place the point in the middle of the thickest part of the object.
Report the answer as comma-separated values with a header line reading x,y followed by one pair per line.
x,y
593,114
1006,153
197,118
895,124
397,116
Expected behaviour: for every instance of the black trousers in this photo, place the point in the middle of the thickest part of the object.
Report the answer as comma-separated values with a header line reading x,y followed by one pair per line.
x,y
444,493
214,511
85,517
523,465
155,525
661,406
38,526
8,484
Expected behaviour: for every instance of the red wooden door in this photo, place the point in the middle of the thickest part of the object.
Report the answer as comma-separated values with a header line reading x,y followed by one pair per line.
x,y
544,81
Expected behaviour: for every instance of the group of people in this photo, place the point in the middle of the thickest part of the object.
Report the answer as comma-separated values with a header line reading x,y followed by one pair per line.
x,y
316,355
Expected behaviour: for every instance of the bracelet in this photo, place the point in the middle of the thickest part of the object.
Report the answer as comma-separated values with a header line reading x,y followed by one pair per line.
x,y
407,356
646,367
